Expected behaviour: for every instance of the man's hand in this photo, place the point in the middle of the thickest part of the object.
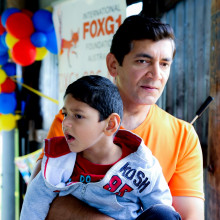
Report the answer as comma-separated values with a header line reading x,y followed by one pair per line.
x,y
70,208
190,208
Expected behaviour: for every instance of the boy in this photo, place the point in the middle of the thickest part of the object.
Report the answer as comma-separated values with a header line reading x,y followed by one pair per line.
x,y
113,172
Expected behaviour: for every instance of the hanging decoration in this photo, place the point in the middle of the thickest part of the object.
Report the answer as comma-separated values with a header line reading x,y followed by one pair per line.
x,y
8,100
25,37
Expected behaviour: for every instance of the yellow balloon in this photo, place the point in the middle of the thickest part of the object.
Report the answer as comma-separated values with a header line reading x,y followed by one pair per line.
x,y
10,40
7,122
9,54
41,53
3,76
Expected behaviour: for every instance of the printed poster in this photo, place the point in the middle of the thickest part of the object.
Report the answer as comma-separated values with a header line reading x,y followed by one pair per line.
x,y
84,30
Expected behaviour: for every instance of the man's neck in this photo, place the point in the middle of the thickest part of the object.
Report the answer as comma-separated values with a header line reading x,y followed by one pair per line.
x,y
133,117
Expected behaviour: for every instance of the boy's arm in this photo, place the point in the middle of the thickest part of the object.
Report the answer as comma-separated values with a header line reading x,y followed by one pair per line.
x,y
70,208
37,200
158,191
36,170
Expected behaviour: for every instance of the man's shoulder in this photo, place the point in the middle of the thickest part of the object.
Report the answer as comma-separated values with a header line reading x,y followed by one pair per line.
x,y
163,116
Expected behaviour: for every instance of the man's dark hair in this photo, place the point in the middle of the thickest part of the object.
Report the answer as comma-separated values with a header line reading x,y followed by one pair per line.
x,y
99,93
139,27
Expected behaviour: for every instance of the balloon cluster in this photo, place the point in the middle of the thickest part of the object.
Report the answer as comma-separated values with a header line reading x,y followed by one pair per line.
x,y
26,37
7,97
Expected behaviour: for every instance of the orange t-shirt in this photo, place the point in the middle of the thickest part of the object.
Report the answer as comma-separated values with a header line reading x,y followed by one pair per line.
x,y
174,143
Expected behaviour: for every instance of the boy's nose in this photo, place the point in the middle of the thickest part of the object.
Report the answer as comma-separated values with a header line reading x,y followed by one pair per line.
x,y
66,122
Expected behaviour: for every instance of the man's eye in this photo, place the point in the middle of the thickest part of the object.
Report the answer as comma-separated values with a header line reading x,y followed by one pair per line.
x,y
143,61
78,116
165,64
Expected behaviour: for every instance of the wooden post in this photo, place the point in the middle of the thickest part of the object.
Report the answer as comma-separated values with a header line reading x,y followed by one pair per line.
x,y
213,175
15,4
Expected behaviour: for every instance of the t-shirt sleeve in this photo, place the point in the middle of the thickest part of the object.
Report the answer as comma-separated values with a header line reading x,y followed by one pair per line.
x,y
55,129
188,177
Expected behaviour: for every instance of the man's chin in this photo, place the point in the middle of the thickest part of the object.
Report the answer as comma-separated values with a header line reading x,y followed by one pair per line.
x,y
149,101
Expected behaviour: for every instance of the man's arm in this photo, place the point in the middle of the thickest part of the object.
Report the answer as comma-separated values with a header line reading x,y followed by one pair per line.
x,y
70,208
190,208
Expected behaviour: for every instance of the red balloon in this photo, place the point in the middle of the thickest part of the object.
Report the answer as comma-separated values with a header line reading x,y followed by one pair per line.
x,y
2,29
19,25
24,52
8,86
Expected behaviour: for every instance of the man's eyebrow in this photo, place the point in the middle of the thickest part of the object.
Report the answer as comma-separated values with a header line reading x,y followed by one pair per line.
x,y
145,55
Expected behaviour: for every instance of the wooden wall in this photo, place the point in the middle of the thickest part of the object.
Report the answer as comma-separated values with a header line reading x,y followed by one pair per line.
x,y
213,171
188,85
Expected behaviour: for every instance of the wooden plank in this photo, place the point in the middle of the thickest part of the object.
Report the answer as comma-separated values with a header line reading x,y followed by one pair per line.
x,y
189,42
213,186
180,75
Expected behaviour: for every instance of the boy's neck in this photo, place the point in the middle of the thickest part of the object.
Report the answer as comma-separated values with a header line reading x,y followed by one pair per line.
x,y
107,154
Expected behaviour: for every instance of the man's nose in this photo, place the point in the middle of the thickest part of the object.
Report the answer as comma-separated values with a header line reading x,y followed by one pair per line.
x,y
155,71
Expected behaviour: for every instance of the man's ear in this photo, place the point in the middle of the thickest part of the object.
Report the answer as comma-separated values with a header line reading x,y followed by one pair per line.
x,y
113,123
111,63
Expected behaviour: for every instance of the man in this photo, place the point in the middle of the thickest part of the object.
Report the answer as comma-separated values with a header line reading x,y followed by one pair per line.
x,y
140,58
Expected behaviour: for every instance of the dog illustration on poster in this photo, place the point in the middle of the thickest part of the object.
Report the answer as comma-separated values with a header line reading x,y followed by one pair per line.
x,y
70,45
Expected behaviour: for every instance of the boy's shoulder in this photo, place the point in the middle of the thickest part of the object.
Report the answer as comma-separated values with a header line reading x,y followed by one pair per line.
x,y
56,147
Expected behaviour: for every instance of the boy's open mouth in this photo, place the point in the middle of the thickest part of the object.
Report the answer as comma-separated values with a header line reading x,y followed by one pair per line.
x,y
69,137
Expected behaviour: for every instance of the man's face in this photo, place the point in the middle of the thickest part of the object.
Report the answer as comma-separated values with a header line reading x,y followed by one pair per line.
x,y
145,71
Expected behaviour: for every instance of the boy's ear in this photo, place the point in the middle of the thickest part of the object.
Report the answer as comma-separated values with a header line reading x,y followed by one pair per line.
x,y
113,123
111,63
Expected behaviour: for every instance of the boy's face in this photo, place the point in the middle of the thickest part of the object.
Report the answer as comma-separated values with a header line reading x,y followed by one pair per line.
x,y
81,125
145,71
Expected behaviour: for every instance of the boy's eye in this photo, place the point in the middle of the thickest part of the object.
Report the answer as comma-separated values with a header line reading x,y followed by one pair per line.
x,y
78,116
64,114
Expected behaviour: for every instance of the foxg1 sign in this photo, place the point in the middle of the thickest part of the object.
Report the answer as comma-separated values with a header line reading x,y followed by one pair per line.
x,y
100,27
84,30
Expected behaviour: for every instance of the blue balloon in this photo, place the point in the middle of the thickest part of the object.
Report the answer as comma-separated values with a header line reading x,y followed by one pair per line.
x,y
8,103
42,20
3,40
4,59
10,69
3,48
39,39
52,42
7,13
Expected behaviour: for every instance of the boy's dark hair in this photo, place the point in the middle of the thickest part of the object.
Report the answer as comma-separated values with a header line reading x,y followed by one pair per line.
x,y
99,93
138,27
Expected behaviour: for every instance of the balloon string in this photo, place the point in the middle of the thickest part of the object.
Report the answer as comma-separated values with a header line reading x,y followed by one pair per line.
x,y
36,91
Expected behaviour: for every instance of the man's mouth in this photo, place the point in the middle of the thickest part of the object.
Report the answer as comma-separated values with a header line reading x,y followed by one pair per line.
x,y
150,88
